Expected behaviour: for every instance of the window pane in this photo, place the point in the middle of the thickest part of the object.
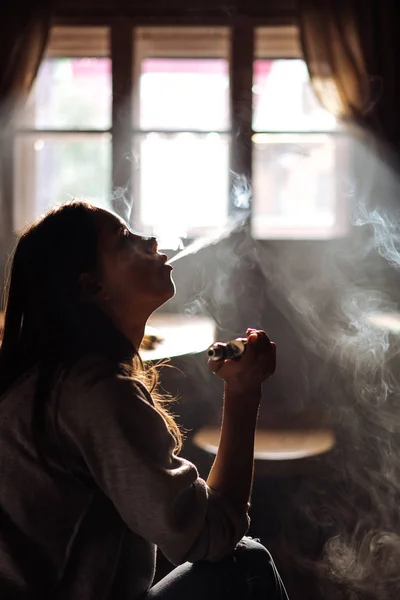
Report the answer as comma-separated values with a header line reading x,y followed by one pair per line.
x,y
295,185
51,170
182,183
283,99
71,93
180,93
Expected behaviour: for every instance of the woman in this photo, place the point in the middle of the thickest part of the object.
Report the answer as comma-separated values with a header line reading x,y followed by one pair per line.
x,y
90,479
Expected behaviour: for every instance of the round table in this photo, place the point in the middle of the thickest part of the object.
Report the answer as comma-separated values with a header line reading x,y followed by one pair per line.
x,y
180,335
277,451
275,444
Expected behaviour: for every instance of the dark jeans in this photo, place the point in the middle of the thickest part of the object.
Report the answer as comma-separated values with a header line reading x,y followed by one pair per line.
x,y
249,573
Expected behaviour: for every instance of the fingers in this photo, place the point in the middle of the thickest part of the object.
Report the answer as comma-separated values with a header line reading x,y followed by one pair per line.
x,y
259,342
215,365
261,334
259,357
262,352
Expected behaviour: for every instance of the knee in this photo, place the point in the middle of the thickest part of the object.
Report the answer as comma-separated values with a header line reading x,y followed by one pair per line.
x,y
253,556
256,567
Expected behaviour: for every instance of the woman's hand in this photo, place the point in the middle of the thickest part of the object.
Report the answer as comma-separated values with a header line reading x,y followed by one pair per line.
x,y
232,471
257,363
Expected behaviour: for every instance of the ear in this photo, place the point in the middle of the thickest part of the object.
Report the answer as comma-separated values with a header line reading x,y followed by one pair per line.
x,y
91,288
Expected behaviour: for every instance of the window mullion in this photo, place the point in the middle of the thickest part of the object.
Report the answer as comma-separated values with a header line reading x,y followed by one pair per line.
x,y
122,105
241,82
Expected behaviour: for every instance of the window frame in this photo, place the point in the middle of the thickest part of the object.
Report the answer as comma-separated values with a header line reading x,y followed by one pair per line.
x,y
90,41
121,32
196,42
287,46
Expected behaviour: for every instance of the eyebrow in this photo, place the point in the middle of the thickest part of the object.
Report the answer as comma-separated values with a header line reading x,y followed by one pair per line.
x,y
137,236
119,225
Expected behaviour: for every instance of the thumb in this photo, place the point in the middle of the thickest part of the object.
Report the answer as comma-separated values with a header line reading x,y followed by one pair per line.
x,y
215,365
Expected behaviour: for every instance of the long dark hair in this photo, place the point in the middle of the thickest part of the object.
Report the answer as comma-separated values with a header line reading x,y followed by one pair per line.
x,y
49,322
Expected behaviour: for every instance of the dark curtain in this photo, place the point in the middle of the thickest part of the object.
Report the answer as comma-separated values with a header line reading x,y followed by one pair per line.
x,y
24,30
352,49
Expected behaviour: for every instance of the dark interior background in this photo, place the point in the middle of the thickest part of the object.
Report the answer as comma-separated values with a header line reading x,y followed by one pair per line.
x,y
241,284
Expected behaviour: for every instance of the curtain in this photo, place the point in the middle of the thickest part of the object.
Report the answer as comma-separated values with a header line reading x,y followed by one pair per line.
x,y
24,30
352,50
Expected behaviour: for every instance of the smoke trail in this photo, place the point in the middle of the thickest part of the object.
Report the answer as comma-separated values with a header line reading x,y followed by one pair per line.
x,y
241,199
121,203
330,295
331,307
209,240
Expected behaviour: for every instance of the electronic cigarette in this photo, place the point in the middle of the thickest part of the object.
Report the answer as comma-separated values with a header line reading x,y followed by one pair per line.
x,y
227,350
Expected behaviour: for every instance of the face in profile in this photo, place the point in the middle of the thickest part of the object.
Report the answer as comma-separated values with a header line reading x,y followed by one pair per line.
x,y
133,275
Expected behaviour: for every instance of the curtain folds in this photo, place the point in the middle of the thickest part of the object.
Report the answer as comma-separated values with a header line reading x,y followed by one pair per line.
x,y
23,39
24,31
352,50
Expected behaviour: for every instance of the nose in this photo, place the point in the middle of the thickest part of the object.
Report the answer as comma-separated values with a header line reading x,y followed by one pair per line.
x,y
154,244
151,243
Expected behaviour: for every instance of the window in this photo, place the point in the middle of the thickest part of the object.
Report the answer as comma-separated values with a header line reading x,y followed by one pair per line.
x,y
182,125
180,141
297,151
63,148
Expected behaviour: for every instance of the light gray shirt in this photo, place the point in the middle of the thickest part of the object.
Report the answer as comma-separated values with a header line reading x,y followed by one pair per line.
x,y
84,524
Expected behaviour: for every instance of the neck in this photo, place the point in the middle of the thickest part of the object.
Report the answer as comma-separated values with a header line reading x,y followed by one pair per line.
x,y
133,329
131,323
134,332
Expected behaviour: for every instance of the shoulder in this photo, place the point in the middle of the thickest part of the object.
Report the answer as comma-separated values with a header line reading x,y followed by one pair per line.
x,y
95,372
97,401
95,386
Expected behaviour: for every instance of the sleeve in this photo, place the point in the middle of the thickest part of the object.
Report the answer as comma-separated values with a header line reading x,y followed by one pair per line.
x,y
124,443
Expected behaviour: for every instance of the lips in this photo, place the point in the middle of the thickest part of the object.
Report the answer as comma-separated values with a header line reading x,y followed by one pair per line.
x,y
164,264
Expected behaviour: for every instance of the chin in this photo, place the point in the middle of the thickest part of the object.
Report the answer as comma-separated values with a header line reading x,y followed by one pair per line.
x,y
167,294
172,290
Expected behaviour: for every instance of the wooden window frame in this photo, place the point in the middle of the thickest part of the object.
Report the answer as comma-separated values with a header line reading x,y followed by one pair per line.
x,y
121,30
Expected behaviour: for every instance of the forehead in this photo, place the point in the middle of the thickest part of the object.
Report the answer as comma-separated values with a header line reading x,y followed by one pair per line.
x,y
108,227
107,223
